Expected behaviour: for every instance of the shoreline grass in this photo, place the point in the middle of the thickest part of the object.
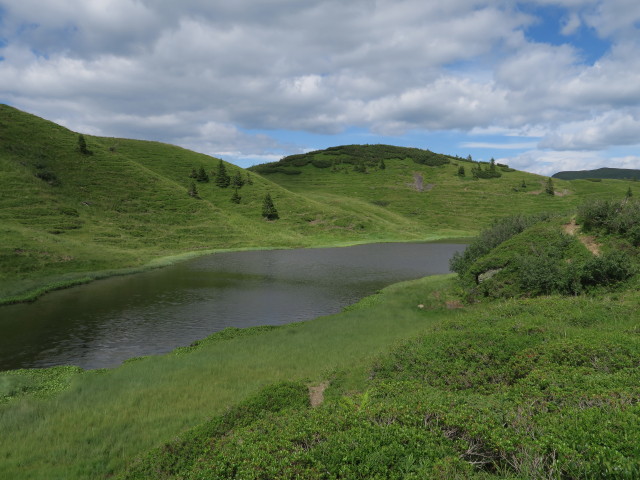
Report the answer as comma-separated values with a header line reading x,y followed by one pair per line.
x,y
107,417
32,293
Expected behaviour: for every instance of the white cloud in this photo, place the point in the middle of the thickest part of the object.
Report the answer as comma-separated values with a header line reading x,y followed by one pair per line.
x,y
173,71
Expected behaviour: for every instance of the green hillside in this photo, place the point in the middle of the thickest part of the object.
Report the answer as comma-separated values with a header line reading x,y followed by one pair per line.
x,y
67,217
611,173
425,187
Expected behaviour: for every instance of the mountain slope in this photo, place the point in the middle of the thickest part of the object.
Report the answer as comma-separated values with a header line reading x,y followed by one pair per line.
x,y
611,173
63,214
426,187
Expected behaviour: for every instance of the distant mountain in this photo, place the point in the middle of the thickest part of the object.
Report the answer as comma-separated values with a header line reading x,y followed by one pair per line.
x,y
610,173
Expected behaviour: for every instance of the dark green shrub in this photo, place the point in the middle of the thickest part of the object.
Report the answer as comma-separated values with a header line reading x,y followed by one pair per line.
x,y
321,163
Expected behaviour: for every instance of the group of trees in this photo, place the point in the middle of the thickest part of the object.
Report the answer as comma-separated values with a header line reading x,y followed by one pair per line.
x,y
237,181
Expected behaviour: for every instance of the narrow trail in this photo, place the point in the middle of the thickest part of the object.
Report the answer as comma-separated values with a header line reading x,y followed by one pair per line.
x,y
316,393
572,228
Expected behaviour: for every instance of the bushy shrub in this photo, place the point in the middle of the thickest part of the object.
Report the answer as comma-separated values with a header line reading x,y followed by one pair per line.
x,y
321,163
489,238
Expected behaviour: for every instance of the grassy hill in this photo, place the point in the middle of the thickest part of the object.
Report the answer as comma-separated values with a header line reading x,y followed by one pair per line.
x,y
419,384
599,173
425,187
68,217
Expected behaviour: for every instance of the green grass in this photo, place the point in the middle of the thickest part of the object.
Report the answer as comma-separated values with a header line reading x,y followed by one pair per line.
x,y
67,218
538,388
105,418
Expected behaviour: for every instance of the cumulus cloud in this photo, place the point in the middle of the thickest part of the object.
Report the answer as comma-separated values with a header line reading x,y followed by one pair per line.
x,y
203,74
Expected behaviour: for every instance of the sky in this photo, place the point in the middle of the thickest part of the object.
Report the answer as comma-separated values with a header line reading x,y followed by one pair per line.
x,y
541,85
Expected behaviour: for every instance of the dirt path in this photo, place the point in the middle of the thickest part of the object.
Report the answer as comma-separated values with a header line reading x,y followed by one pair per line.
x,y
571,228
316,393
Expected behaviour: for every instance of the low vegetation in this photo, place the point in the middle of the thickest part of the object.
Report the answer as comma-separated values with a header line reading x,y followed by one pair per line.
x,y
524,365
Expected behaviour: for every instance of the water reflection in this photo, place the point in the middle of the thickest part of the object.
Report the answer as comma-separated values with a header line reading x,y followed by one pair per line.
x,y
105,322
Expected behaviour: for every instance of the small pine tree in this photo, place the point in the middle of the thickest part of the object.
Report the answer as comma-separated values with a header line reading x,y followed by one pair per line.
x,y
523,184
82,146
202,175
249,179
235,198
629,193
549,189
193,191
193,173
222,178
461,172
268,208
237,181
382,166
492,166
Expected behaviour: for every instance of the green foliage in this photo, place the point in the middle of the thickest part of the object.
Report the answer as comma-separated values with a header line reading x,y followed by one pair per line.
x,y
222,177
549,188
461,172
237,181
202,175
236,198
269,210
489,238
600,173
321,163
193,191
82,146
491,172
542,388
382,165
612,217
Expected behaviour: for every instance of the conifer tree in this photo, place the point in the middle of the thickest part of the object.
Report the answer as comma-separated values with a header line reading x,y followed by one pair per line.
x,y
249,179
82,146
382,166
235,198
629,193
461,172
268,208
549,187
222,178
193,191
237,181
202,175
193,173
523,184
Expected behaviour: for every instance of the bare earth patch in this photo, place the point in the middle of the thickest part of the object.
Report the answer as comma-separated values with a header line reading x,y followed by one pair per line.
x,y
316,393
571,228
418,182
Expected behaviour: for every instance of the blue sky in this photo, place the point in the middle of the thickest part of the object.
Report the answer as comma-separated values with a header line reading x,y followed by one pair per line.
x,y
543,85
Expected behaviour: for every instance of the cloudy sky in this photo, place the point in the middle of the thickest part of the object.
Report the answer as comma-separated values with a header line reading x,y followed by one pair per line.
x,y
543,85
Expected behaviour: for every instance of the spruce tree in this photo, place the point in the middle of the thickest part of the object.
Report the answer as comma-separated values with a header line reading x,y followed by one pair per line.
x,y
202,175
193,191
549,188
268,208
523,184
249,179
235,198
629,193
461,172
222,178
382,166
82,146
193,173
237,181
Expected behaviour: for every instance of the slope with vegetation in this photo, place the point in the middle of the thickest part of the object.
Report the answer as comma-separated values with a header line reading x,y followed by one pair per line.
x,y
427,379
600,173
77,207
537,387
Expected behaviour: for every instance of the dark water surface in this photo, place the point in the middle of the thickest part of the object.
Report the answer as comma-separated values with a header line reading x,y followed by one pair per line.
x,y
105,322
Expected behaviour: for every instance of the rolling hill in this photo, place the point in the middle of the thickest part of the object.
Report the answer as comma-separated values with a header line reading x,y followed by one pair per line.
x,y
68,217
611,173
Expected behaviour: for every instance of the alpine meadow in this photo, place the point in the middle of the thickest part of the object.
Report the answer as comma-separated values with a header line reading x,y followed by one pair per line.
x,y
521,364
